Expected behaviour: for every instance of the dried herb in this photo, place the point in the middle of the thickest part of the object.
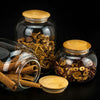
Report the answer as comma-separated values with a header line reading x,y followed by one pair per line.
x,y
43,45
75,70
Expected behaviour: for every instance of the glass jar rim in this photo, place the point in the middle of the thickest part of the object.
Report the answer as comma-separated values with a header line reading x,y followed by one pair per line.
x,y
34,20
37,74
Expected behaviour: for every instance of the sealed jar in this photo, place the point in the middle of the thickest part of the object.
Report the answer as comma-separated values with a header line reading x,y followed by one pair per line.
x,y
18,66
37,32
76,61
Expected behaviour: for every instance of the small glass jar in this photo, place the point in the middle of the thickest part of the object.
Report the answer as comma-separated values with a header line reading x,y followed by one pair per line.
x,y
18,66
37,32
76,61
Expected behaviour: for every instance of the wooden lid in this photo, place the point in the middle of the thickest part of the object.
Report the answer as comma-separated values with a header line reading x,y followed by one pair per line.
x,y
36,14
53,91
78,45
53,82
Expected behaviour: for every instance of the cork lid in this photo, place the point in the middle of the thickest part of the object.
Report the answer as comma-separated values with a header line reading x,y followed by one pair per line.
x,y
36,14
53,82
76,44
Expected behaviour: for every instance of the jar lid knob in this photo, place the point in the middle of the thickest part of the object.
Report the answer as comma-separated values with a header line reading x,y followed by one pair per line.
x,y
78,45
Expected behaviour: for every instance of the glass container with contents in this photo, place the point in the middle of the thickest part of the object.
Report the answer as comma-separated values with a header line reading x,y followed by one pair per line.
x,y
38,33
19,67
76,61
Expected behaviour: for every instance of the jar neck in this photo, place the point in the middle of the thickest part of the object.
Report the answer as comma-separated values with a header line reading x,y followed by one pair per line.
x,y
31,20
76,52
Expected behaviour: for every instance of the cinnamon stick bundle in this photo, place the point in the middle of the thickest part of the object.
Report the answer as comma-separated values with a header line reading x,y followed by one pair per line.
x,y
24,77
26,83
8,82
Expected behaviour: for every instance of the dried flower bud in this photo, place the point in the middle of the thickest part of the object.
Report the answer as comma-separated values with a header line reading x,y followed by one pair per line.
x,y
82,68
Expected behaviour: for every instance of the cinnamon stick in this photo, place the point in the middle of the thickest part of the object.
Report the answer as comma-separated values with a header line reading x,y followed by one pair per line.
x,y
1,65
8,82
8,66
15,58
12,76
30,84
26,83
13,72
29,69
28,77
24,77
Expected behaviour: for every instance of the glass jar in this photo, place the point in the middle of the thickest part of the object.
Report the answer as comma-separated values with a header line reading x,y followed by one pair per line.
x,y
18,66
76,61
38,33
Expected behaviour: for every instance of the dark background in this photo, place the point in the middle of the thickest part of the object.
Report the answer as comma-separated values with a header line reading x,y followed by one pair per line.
x,y
74,20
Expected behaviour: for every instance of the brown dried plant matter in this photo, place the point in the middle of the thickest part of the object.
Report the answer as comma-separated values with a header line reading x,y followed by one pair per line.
x,y
25,82
76,71
43,46
11,66
29,69
8,82
11,76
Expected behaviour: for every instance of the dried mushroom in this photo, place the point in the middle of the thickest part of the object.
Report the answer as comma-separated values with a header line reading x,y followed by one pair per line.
x,y
43,45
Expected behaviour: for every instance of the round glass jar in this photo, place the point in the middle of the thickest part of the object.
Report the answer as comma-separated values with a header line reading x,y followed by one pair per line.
x,y
76,61
18,66
37,32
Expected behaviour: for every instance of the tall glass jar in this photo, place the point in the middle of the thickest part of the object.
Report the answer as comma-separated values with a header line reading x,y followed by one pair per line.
x,y
19,67
76,61
38,33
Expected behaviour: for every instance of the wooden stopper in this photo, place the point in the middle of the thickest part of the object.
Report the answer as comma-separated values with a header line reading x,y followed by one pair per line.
x,y
36,14
8,82
53,82
77,47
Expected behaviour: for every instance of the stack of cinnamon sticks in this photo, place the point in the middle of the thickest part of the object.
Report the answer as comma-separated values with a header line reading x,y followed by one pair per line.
x,y
12,75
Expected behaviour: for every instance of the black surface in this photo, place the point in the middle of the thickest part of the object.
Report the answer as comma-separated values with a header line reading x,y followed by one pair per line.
x,y
73,20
